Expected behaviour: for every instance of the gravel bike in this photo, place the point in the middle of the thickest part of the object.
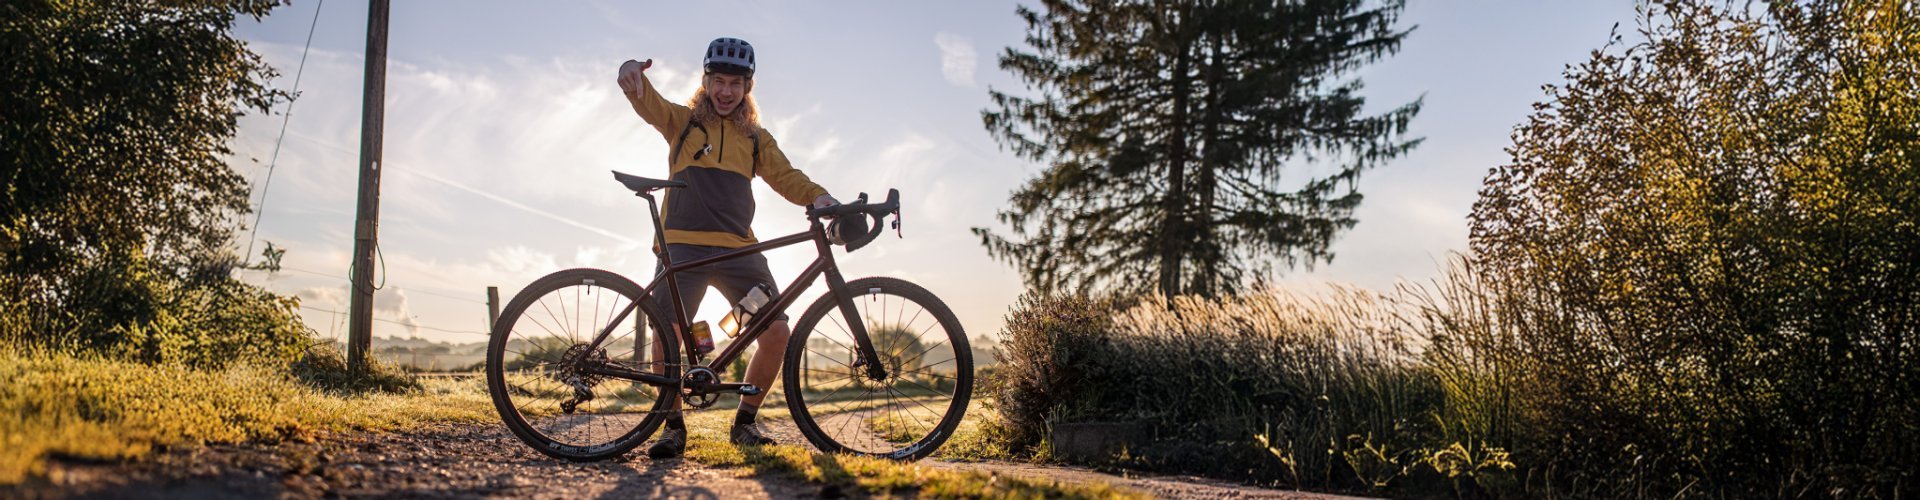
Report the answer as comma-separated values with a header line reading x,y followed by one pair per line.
x,y
583,366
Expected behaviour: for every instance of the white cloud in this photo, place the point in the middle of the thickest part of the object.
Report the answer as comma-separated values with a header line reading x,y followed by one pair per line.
x,y
396,308
957,58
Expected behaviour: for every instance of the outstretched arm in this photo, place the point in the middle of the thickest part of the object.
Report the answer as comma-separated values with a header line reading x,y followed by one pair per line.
x,y
790,182
665,116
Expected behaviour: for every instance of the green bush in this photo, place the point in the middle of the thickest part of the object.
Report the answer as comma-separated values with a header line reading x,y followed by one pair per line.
x,y
124,308
120,201
1705,262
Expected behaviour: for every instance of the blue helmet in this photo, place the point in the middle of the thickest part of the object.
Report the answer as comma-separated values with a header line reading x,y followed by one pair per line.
x,y
730,56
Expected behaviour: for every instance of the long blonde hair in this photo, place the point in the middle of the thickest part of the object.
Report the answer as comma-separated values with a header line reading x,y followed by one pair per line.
x,y
746,116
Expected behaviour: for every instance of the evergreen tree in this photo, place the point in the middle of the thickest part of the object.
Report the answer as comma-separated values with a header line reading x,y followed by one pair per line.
x,y
1167,126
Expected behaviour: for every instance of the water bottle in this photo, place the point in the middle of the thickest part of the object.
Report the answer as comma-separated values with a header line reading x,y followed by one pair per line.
x,y
743,312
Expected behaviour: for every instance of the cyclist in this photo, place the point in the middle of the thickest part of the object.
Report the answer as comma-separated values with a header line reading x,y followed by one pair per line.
x,y
718,148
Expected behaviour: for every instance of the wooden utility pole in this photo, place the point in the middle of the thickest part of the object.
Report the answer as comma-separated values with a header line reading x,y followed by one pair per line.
x,y
493,307
366,223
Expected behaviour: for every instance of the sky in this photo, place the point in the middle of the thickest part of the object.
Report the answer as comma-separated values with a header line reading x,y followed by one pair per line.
x,y
504,118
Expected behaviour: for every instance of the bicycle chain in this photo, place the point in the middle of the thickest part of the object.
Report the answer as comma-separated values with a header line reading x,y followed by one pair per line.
x,y
684,398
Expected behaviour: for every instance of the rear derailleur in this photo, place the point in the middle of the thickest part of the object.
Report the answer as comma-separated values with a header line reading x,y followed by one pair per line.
x,y
572,376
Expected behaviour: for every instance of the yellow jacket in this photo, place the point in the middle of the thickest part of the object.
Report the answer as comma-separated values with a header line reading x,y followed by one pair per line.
x,y
716,208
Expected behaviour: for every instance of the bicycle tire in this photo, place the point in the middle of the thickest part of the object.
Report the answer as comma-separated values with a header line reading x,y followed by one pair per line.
x,y
516,384
889,418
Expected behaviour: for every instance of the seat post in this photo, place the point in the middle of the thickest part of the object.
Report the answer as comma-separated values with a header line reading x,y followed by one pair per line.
x,y
666,262
659,230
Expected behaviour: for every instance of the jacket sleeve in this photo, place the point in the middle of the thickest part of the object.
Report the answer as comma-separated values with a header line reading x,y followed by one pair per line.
x,y
790,182
665,116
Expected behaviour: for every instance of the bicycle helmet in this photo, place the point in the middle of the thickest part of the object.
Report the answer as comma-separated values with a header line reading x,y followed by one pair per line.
x,y
730,56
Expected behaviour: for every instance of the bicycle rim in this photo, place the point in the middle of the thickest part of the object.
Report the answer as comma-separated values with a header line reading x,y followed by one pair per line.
x,y
912,410
548,401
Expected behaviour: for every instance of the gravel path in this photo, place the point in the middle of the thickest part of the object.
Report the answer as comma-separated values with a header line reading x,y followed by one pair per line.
x,y
468,461
438,461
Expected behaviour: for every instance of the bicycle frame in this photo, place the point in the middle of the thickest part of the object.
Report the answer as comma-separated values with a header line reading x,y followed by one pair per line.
x,y
823,264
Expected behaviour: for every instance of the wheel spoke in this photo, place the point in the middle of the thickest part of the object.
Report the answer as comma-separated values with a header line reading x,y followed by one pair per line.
x,y
531,393
843,410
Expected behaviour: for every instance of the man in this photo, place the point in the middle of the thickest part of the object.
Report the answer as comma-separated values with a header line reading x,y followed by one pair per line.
x,y
717,148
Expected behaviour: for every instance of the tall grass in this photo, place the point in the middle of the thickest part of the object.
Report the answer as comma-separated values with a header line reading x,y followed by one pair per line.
x,y
1480,382
1327,388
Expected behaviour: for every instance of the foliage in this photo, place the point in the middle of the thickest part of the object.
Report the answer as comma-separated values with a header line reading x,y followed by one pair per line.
x,y
94,409
1032,379
1705,261
114,118
1274,386
1167,127
323,367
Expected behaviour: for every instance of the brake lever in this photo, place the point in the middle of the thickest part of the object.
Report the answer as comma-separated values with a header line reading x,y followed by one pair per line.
x,y
896,225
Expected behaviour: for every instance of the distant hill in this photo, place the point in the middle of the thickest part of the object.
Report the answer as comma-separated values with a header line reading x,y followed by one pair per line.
x,y
422,355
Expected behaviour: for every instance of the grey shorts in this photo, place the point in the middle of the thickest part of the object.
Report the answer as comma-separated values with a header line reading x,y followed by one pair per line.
x,y
733,277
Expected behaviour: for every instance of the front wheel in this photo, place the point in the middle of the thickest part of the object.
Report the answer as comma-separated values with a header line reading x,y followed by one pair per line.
x,y
908,413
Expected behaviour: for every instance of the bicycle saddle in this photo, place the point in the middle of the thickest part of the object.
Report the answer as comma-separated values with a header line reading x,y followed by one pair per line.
x,y
644,185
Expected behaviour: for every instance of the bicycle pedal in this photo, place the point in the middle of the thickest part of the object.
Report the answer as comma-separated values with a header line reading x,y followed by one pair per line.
x,y
749,390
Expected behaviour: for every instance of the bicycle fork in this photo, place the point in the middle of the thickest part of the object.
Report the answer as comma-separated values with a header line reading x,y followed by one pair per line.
x,y
869,357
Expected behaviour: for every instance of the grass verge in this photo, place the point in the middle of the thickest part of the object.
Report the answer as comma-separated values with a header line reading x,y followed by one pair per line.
x,y
95,409
55,405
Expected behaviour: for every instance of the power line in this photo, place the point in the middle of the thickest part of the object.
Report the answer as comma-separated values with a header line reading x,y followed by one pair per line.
x,y
442,294
285,118
409,325
437,294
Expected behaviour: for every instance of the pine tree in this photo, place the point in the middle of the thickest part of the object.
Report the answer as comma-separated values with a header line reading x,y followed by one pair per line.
x,y
1167,126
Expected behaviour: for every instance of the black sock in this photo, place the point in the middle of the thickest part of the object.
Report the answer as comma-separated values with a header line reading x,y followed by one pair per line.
x,y
676,423
745,415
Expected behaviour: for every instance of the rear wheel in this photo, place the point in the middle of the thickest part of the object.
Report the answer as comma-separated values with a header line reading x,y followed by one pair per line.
x,y
546,398
908,413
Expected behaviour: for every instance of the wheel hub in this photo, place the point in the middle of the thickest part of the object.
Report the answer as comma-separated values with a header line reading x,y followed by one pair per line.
x,y
572,374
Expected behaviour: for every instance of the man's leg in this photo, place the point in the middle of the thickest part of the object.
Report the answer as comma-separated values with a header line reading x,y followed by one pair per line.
x,y
735,280
771,347
693,287
768,352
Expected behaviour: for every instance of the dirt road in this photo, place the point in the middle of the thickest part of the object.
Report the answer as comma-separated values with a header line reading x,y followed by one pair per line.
x,y
467,461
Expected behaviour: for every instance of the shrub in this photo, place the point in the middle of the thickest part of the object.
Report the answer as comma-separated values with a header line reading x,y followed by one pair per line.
x,y
1270,386
120,199
1033,377
1705,259
125,308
